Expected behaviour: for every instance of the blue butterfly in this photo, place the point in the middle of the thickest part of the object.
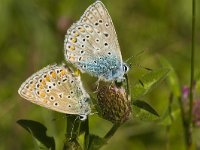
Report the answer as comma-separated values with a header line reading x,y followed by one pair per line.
x,y
91,45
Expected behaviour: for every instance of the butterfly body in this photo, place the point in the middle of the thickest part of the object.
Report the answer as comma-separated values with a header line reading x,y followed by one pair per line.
x,y
91,44
57,88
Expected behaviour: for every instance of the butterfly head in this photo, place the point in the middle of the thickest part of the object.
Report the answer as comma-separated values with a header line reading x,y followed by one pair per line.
x,y
120,75
85,108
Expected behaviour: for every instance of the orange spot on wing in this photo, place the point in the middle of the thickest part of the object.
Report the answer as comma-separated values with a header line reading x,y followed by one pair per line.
x,y
74,40
81,30
76,34
53,74
72,48
41,86
62,73
45,100
71,58
43,82
47,78
42,94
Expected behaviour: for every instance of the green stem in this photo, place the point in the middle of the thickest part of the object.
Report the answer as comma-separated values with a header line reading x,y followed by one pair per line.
x,y
192,60
168,127
187,133
127,86
112,131
192,70
87,134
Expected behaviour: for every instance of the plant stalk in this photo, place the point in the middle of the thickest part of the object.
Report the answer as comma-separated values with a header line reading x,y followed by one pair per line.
x,y
72,132
192,59
192,74
87,134
112,131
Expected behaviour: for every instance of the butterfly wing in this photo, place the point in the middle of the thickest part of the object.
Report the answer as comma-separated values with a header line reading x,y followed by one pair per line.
x,y
91,44
57,88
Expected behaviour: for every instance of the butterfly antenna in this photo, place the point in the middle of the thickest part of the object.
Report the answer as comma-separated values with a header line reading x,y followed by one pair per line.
x,y
93,113
140,66
135,64
58,118
138,54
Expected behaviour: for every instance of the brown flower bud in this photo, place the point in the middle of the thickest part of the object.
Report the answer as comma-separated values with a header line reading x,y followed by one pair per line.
x,y
113,103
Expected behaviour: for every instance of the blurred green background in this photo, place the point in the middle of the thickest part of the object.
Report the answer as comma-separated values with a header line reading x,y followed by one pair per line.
x,y
31,37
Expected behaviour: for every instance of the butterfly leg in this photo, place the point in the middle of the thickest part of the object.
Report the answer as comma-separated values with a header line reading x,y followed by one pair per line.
x,y
72,129
111,84
97,85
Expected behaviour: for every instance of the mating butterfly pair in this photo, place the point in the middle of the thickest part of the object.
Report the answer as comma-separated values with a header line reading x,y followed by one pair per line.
x,y
91,45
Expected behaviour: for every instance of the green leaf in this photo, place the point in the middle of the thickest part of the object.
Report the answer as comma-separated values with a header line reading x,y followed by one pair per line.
x,y
96,142
172,78
148,81
143,111
38,131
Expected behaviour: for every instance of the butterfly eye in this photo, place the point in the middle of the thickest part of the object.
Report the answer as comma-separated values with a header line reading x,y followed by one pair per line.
x,y
125,68
82,117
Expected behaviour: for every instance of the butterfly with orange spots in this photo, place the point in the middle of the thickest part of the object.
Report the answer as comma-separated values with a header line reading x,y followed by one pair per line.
x,y
58,88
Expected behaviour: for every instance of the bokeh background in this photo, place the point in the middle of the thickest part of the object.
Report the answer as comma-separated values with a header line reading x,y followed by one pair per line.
x,y
31,37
